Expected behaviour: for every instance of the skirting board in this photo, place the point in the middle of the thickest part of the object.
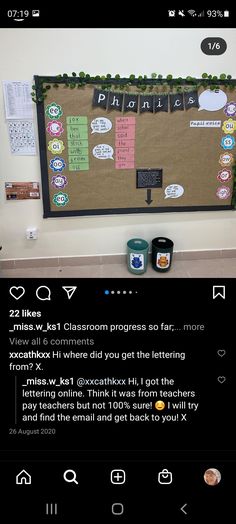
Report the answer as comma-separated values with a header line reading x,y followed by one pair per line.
x,y
107,259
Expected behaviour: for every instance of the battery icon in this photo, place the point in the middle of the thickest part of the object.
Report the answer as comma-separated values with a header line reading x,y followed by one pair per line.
x,y
226,14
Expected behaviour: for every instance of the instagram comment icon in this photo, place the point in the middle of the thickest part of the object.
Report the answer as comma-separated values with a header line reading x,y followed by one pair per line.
x,y
43,293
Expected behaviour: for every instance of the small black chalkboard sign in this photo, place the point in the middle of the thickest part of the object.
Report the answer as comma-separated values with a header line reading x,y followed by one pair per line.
x,y
148,178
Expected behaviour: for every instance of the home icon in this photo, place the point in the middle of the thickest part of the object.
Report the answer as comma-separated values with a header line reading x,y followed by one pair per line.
x,y
23,477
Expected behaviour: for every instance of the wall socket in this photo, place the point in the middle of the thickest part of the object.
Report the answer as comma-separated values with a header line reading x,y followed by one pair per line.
x,y
31,233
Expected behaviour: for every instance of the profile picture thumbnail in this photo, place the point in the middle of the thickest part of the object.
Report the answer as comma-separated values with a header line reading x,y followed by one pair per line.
x,y
212,476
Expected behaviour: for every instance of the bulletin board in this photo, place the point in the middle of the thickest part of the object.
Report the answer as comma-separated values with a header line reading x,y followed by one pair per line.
x,y
106,151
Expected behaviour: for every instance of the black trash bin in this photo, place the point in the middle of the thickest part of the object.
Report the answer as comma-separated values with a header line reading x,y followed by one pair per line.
x,y
162,251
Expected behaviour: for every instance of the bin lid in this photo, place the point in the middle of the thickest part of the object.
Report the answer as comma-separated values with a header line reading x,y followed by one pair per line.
x,y
162,242
138,244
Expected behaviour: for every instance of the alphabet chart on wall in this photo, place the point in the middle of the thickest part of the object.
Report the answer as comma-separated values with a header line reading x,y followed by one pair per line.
x,y
21,137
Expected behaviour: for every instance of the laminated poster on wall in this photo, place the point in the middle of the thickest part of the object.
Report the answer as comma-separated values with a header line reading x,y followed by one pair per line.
x,y
22,190
21,137
17,99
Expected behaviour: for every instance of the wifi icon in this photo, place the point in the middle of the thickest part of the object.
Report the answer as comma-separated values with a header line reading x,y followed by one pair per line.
x,y
192,12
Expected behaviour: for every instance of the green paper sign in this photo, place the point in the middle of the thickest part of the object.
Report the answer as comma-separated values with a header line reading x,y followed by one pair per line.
x,y
79,133
82,166
78,159
77,143
79,150
76,120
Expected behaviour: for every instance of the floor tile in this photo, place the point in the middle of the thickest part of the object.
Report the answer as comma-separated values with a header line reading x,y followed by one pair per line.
x,y
216,268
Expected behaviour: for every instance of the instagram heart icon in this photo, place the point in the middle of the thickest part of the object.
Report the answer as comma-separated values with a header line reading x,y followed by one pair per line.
x,y
17,292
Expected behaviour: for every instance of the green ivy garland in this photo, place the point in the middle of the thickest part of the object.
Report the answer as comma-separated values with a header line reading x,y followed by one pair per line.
x,y
143,83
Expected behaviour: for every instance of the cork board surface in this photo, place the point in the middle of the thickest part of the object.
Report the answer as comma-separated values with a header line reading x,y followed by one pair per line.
x,y
185,161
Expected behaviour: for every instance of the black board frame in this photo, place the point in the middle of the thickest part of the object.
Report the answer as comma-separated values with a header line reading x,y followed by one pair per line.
x,y
47,212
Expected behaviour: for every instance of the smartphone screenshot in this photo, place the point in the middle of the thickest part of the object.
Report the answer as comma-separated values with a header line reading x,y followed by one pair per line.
x,y
118,265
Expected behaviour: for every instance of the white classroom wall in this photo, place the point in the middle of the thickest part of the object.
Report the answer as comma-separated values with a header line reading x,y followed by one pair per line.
x,y
24,53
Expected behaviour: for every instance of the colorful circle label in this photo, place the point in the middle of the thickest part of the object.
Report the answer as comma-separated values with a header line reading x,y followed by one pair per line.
x,y
228,142
223,192
53,111
230,109
229,126
226,159
56,146
224,175
60,199
57,164
59,181
55,128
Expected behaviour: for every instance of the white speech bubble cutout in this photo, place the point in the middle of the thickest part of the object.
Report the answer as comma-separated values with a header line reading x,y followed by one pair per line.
x,y
101,125
174,191
212,100
103,151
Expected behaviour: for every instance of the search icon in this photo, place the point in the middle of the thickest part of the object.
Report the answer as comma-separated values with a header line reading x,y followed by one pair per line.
x,y
70,476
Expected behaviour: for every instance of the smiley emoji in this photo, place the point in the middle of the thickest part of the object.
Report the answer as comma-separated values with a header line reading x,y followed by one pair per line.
x,y
159,404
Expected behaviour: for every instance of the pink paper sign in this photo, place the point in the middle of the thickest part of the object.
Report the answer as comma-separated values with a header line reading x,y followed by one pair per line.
x,y
125,120
125,143
124,165
122,127
129,133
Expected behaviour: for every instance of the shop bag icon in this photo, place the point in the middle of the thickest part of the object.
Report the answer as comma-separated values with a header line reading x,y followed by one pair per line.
x,y
165,477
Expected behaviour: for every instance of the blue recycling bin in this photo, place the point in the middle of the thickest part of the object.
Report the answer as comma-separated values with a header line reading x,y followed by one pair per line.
x,y
137,255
